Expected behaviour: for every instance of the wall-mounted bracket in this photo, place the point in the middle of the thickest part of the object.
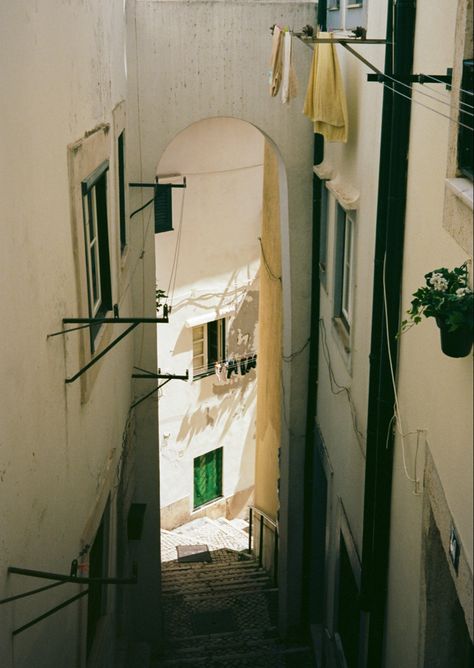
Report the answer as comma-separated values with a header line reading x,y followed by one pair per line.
x,y
62,579
153,376
156,183
416,78
159,375
89,322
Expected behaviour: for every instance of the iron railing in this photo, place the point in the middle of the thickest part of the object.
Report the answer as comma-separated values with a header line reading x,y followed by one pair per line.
x,y
263,541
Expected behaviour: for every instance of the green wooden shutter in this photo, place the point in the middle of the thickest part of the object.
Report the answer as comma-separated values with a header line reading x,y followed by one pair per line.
x,y
207,477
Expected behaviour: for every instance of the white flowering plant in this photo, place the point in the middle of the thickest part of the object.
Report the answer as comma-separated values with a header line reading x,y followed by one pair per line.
x,y
446,297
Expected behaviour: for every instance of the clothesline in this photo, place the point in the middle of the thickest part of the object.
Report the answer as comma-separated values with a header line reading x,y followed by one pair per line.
x,y
244,365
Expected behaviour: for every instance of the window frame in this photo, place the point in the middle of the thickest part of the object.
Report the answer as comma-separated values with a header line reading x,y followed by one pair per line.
x,y
464,137
344,267
323,235
94,192
207,367
121,170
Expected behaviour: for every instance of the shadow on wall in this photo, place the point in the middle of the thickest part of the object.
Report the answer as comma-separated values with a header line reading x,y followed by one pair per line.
x,y
230,408
233,396
241,336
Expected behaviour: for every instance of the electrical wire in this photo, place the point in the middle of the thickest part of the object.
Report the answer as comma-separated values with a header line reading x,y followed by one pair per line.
x,y
291,357
174,267
142,207
396,412
223,171
337,389
273,276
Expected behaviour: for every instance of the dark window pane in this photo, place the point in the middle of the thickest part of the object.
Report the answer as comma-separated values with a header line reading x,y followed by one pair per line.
x,y
122,185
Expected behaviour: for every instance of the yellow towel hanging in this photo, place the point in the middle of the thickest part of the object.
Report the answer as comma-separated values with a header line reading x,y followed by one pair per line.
x,y
325,102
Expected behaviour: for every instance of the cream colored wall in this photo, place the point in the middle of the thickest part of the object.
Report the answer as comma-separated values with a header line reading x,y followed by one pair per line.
x,y
62,75
351,173
217,219
270,322
180,74
435,391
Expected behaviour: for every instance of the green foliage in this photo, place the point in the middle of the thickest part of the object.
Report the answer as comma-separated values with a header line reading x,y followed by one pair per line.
x,y
160,295
445,296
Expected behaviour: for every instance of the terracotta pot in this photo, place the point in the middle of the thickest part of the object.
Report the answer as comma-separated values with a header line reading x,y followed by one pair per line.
x,y
457,343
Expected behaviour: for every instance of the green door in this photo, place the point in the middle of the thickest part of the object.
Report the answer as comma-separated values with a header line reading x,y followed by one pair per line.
x,y
207,477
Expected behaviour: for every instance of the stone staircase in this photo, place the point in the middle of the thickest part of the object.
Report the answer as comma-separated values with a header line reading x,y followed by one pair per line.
x,y
222,613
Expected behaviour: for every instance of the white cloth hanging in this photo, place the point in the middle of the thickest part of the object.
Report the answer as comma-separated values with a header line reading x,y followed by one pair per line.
x,y
289,83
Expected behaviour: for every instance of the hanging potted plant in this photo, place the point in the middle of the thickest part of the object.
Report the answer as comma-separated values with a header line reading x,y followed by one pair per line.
x,y
447,298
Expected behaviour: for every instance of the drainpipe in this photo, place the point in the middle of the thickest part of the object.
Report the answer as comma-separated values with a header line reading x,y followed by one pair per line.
x,y
310,442
389,245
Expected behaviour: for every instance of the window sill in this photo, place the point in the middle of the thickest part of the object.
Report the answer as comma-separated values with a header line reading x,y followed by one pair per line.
x,y
355,5
342,339
463,189
343,334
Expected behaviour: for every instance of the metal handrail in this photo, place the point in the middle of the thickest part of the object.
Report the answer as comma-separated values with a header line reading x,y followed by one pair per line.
x,y
265,521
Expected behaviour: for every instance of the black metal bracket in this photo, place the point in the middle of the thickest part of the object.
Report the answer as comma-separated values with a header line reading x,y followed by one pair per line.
x,y
60,580
89,322
71,577
153,185
149,374
416,78
159,375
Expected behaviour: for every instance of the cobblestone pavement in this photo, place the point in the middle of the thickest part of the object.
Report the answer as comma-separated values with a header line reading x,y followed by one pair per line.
x,y
221,614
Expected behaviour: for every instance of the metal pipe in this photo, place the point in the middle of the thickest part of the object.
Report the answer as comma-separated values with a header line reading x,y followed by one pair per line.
x,y
309,516
267,518
60,577
49,613
95,359
169,376
260,541
250,528
30,592
127,321
275,558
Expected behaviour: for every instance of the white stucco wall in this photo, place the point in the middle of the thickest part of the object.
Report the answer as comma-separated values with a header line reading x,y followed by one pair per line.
x,y
435,391
198,60
217,268
63,72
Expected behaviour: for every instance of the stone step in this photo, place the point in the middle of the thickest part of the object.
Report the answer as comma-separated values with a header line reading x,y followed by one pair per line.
x,y
231,528
223,575
216,583
212,589
264,634
231,644
277,658
190,569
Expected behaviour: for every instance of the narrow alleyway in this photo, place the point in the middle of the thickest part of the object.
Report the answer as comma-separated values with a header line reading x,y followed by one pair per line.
x,y
220,608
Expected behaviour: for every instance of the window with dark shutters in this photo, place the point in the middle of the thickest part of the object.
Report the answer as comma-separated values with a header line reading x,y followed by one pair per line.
x,y
163,208
465,138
